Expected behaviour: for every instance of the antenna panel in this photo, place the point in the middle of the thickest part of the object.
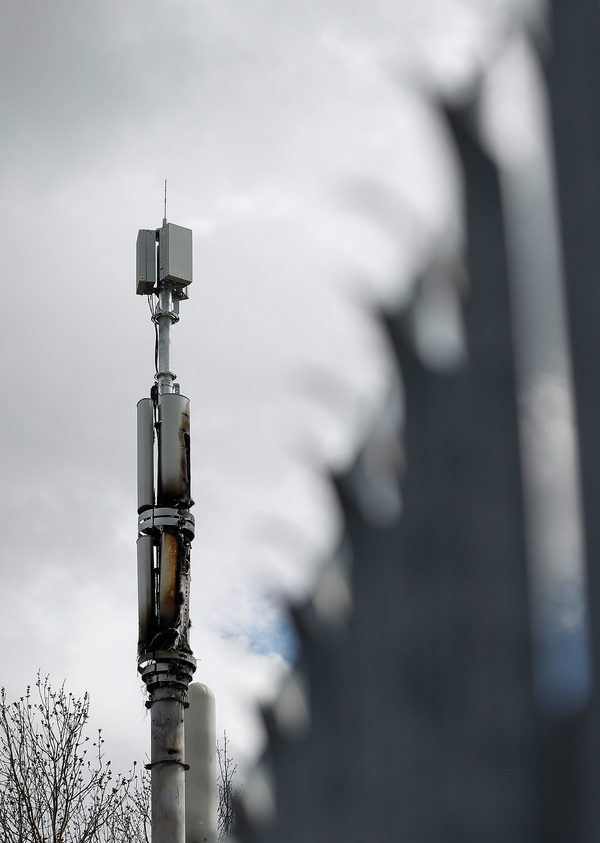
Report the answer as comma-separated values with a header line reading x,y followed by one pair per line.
x,y
174,451
146,262
145,565
175,254
145,454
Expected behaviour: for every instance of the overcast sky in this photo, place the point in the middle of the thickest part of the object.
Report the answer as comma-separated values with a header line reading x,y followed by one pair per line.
x,y
315,178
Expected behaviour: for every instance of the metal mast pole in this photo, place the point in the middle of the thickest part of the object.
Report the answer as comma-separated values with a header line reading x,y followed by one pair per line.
x,y
165,532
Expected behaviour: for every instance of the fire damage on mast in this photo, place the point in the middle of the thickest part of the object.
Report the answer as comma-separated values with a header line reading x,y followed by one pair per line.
x,y
165,529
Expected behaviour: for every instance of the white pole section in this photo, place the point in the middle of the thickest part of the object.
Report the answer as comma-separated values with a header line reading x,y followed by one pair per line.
x,y
201,776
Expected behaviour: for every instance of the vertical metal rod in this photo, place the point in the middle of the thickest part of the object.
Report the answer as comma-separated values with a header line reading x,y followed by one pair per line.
x,y
165,316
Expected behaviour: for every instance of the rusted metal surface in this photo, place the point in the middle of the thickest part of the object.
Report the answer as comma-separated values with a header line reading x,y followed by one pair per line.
x,y
169,568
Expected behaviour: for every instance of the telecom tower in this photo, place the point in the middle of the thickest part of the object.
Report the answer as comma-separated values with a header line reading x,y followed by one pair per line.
x,y
165,533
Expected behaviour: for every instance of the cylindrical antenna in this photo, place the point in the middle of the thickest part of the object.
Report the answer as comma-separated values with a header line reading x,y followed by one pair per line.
x,y
165,213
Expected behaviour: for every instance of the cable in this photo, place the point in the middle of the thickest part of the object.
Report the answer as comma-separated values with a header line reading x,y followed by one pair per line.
x,y
152,309
156,347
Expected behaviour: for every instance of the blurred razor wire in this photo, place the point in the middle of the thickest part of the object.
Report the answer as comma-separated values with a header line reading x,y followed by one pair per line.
x,y
449,784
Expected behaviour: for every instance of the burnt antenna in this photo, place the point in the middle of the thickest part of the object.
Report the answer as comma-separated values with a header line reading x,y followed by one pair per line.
x,y
165,531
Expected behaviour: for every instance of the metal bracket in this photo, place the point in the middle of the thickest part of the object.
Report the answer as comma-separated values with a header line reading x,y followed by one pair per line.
x,y
171,314
168,670
186,767
153,520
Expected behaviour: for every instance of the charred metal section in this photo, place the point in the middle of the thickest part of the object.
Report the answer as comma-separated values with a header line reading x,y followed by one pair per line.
x,y
145,447
174,474
146,588
165,524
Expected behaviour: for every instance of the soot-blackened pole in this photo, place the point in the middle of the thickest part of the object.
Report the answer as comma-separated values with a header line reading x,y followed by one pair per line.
x,y
165,531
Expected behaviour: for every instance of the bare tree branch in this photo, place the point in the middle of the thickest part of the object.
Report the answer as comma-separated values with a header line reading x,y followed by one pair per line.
x,y
55,784
227,790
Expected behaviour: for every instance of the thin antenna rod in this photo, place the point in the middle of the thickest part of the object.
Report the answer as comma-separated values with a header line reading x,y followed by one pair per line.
x,y
165,213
